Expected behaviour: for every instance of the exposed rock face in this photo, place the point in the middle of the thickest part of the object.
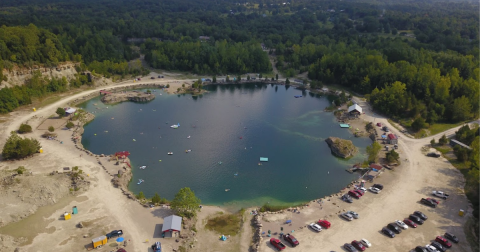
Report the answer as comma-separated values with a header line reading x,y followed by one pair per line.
x,y
341,147
134,96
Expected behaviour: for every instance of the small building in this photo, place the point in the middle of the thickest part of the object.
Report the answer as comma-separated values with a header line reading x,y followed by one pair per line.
x,y
355,109
454,142
392,139
376,166
70,111
172,224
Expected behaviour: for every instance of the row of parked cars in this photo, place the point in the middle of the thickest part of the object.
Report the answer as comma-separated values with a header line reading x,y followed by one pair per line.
x,y
440,244
417,218
356,246
358,193
277,243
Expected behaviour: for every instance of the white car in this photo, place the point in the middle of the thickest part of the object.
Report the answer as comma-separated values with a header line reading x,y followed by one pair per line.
x,y
401,224
354,214
365,243
431,248
315,227
440,194
374,190
363,189
347,216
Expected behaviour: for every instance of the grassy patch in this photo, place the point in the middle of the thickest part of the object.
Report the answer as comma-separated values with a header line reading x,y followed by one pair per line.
x,y
226,224
49,100
444,149
441,127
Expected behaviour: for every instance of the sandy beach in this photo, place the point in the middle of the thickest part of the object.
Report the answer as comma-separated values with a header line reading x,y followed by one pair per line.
x,y
103,208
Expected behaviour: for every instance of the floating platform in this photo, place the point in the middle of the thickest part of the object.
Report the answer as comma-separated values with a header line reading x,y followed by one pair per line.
x,y
344,125
263,159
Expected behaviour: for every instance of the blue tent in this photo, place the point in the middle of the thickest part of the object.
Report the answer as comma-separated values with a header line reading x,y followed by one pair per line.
x,y
120,239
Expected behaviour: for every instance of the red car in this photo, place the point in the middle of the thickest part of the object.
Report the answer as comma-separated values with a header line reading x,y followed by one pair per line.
x,y
379,124
277,244
291,239
324,223
443,241
354,194
358,245
410,223
434,200
360,192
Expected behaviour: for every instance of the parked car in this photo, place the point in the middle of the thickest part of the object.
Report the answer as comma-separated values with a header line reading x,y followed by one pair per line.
x,y
420,249
153,78
379,186
385,128
401,224
349,247
415,219
358,245
291,239
438,246
410,223
440,194
421,215
114,233
315,227
347,198
443,241
324,223
451,237
277,244
431,248
428,203
346,216
360,192
434,200
354,194
157,247
433,154
379,124
353,214
394,228
374,190
388,232
366,243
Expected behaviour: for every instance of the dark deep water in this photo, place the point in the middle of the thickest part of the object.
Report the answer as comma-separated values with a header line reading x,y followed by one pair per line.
x,y
234,125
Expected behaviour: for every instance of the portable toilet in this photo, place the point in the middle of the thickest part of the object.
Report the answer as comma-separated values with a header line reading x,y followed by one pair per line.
x,y
99,241
461,212
41,150
67,216
34,109
75,210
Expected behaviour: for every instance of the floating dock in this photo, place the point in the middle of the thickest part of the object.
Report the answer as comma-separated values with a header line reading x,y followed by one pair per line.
x,y
263,159
344,125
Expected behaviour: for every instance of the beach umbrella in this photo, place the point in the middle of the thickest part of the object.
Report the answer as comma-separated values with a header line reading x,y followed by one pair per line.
x,y
120,239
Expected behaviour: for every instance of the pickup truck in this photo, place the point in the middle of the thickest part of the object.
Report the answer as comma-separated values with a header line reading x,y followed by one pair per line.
x,y
440,194
277,244
291,239
114,233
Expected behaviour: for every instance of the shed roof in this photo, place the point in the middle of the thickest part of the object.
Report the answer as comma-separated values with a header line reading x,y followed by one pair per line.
x,y
70,110
172,222
392,136
355,107
100,238
376,166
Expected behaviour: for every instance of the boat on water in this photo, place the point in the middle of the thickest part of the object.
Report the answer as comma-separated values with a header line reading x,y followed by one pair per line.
x,y
226,190
175,126
140,181
170,153
297,96
188,136
143,167
220,162
236,174
134,140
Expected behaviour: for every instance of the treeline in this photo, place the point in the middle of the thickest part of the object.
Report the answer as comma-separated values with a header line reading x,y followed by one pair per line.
x,y
207,58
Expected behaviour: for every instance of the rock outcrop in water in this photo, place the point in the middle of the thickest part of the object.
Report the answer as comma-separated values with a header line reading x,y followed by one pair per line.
x,y
341,147
135,96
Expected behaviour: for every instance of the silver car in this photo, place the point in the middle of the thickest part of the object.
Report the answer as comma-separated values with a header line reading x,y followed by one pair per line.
x,y
353,214
347,216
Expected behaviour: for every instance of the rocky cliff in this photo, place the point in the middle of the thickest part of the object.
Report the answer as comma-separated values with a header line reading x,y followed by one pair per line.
x,y
135,96
341,147
18,75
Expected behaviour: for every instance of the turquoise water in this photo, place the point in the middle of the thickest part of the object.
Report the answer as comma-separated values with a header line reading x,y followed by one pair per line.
x,y
234,125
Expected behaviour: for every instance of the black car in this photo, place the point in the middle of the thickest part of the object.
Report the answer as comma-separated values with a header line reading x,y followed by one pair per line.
x,y
347,198
421,215
152,78
420,249
415,219
350,247
433,154
451,237
379,186
394,228
388,232
114,233
429,203
439,246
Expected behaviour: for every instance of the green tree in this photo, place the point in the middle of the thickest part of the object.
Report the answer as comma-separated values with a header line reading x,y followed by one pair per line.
x,y
461,109
51,129
214,79
140,196
260,76
156,199
394,31
287,81
443,140
419,124
16,147
24,128
60,112
70,125
185,203
276,76
432,142
392,156
227,79
372,151
248,77
461,153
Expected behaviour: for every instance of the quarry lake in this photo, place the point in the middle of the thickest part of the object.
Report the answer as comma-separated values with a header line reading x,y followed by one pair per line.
x,y
218,145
